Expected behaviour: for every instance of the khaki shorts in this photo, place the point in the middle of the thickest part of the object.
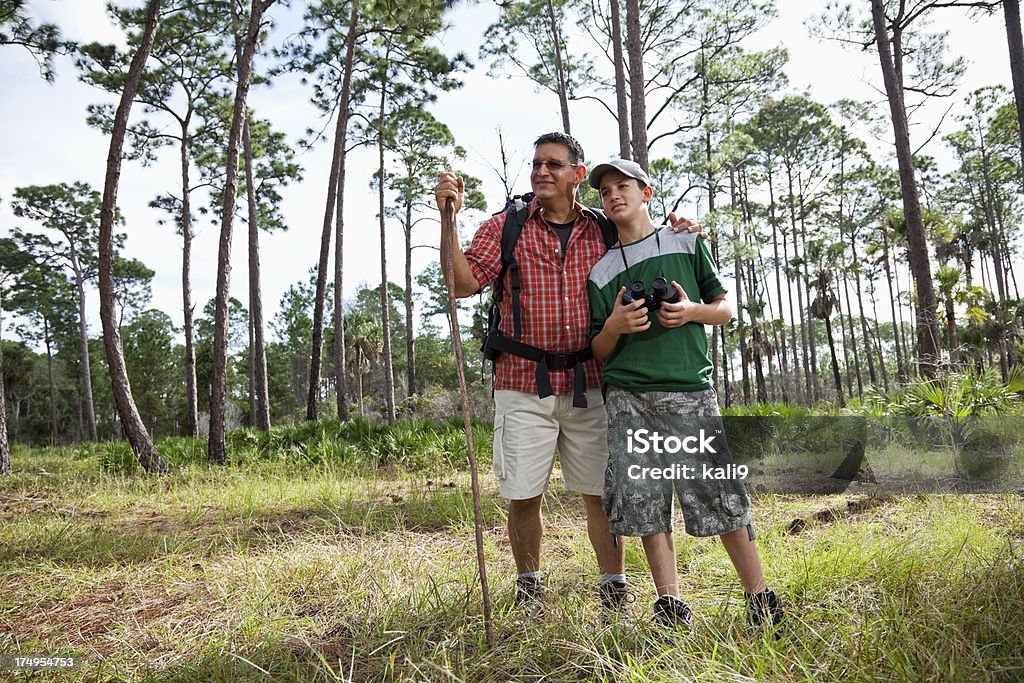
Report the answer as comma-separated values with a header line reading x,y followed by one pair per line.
x,y
528,429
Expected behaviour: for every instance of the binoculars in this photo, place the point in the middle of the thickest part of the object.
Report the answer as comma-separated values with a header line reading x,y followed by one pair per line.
x,y
661,293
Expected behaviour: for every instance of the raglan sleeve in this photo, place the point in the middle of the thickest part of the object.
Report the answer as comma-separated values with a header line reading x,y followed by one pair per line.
x,y
600,307
706,273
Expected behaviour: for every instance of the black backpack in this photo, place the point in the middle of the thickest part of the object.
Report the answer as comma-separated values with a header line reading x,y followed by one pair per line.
x,y
516,212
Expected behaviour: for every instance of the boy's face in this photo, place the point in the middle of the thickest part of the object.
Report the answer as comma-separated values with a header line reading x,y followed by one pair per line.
x,y
621,196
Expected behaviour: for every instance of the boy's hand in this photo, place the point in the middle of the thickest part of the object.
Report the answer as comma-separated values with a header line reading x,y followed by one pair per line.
x,y
682,223
627,318
679,313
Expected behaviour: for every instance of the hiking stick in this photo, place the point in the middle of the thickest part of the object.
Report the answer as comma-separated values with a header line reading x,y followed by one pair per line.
x,y
448,233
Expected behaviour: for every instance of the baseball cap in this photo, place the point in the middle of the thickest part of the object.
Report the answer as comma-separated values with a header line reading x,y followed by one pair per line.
x,y
623,166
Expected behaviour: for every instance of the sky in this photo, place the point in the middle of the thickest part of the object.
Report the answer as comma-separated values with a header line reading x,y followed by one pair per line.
x,y
47,141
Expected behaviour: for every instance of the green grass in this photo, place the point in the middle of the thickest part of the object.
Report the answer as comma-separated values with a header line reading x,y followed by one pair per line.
x,y
295,568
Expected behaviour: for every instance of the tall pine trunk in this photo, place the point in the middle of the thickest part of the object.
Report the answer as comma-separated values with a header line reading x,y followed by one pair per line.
x,y
385,317
218,448
50,380
1011,13
410,351
637,101
563,89
340,371
258,351
83,338
865,333
779,265
621,108
5,447
716,331
359,382
849,340
812,338
901,366
797,379
131,421
808,391
738,268
769,340
878,341
752,288
726,389
835,360
191,382
853,337
313,394
988,206
251,367
908,356
890,57
757,336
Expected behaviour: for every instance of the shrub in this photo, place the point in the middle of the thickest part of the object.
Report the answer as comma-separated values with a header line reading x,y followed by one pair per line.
x,y
183,451
116,457
962,394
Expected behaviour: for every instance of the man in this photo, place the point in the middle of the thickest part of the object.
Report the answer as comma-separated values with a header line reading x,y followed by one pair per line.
x,y
560,241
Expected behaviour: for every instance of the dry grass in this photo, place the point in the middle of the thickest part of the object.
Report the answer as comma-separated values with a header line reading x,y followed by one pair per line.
x,y
270,574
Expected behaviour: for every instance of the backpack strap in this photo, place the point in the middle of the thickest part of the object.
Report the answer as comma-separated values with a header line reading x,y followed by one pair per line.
x,y
515,219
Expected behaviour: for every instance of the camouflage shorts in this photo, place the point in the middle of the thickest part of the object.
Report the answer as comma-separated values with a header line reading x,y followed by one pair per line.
x,y
639,501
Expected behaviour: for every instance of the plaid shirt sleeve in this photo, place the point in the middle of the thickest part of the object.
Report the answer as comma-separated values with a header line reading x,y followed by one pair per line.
x,y
484,253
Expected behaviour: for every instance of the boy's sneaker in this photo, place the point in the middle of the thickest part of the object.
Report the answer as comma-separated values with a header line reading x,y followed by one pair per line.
x,y
530,595
672,613
614,594
764,609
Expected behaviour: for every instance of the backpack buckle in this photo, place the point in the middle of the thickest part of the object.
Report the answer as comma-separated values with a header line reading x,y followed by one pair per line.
x,y
560,361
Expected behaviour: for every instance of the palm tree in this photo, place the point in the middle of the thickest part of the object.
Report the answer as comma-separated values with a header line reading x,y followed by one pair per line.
x,y
363,343
948,280
825,300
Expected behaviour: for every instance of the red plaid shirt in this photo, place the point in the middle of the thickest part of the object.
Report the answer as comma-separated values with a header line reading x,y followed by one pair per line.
x,y
553,294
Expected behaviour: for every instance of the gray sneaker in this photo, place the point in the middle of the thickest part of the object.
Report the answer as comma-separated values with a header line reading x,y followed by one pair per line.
x,y
672,613
764,609
614,594
530,595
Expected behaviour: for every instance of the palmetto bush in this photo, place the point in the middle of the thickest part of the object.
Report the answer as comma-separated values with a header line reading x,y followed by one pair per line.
x,y
973,414
964,394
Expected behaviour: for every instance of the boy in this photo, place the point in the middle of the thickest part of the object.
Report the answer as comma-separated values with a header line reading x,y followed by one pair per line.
x,y
658,375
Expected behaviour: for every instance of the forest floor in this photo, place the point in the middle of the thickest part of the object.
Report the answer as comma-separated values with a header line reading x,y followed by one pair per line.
x,y
274,572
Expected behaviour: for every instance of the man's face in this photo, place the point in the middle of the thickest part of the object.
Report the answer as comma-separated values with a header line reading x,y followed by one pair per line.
x,y
621,196
552,175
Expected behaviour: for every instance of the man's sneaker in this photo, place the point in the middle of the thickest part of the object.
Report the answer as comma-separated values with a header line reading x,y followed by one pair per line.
x,y
614,594
530,595
764,609
672,613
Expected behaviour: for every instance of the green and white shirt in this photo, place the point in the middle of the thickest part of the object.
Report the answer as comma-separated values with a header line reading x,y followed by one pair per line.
x,y
659,358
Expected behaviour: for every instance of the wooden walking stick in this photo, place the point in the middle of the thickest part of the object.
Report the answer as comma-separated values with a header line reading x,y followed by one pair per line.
x,y
448,233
